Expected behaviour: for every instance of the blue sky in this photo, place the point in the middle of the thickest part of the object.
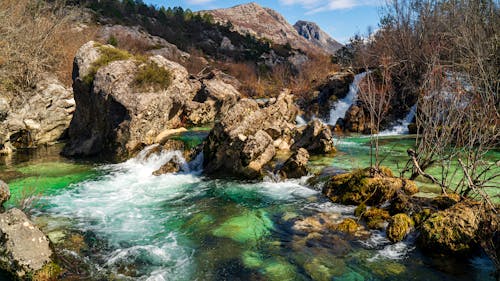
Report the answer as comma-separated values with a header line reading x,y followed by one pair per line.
x,y
339,18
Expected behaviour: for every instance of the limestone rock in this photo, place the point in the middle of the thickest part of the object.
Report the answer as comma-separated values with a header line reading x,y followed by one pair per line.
x,y
24,248
4,193
313,33
40,119
242,142
316,138
296,165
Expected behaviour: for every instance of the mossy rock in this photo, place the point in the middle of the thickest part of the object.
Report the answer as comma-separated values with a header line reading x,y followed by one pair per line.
x,y
452,231
375,218
348,226
364,186
249,227
360,209
399,227
324,268
49,272
279,270
443,202
421,216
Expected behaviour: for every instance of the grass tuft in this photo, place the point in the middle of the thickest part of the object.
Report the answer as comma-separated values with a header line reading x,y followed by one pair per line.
x,y
152,76
108,55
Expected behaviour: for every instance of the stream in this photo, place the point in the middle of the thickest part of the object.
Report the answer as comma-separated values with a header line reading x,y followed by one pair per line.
x,y
189,227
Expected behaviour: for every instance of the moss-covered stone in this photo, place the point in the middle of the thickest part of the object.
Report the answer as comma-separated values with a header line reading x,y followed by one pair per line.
x,y
324,268
444,202
348,225
375,218
421,216
249,227
49,272
454,230
400,225
279,270
364,186
360,209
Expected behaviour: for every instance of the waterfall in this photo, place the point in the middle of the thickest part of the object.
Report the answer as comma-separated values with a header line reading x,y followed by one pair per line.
x,y
401,126
300,121
341,107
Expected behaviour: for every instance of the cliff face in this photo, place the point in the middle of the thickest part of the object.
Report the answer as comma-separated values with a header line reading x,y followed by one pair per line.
x,y
313,33
262,22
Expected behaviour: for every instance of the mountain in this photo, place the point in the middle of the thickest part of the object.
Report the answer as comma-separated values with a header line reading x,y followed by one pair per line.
x,y
262,22
314,34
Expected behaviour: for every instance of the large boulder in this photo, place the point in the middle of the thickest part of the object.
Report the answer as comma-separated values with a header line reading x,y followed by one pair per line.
x,y
243,141
455,230
367,187
35,118
316,138
356,120
296,165
116,112
24,249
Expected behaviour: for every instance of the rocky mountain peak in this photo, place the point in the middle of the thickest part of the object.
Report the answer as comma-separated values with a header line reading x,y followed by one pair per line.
x,y
314,34
261,22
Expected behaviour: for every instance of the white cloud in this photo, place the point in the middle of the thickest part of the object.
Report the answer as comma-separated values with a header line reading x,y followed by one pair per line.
x,y
198,2
316,6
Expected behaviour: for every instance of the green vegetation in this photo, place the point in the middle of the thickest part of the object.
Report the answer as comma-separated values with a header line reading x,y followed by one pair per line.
x,y
399,226
108,55
152,76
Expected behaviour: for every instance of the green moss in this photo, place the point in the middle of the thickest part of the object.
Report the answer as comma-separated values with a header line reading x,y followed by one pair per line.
x,y
280,270
399,226
107,55
375,218
422,216
360,210
347,226
249,227
252,259
49,272
152,76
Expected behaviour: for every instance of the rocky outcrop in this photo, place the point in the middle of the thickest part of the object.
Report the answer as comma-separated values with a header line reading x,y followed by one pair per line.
x,y
295,166
366,187
244,140
356,120
454,230
314,34
24,249
36,118
137,40
114,116
316,138
263,23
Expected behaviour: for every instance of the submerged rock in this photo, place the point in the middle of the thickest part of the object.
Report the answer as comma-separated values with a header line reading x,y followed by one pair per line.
x,y
316,138
399,226
174,165
296,165
247,228
24,249
361,186
242,142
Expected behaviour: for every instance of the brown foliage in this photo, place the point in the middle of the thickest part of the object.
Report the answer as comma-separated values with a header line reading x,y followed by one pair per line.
x,y
36,38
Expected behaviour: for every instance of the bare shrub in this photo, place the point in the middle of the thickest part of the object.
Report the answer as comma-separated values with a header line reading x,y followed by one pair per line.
x,y
37,37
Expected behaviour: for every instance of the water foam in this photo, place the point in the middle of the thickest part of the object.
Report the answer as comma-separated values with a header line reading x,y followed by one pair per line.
x,y
126,208
341,107
401,126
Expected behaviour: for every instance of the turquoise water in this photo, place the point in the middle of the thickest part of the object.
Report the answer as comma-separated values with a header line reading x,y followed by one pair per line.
x,y
188,227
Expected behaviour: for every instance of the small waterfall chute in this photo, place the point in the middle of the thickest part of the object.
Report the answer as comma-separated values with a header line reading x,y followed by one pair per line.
x,y
340,108
401,126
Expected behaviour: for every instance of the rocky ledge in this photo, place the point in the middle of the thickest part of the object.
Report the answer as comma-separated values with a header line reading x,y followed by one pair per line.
x,y
124,103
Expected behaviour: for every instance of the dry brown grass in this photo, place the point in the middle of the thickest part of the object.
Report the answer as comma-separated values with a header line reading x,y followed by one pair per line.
x,y
36,38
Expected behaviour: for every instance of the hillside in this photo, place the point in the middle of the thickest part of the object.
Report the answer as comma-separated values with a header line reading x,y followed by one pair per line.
x,y
312,32
262,22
